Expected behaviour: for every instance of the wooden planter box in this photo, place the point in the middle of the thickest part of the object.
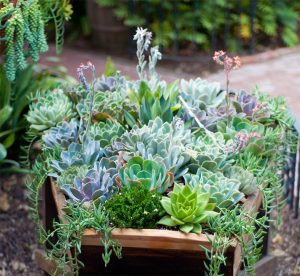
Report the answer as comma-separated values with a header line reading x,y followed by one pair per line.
x,y
145,251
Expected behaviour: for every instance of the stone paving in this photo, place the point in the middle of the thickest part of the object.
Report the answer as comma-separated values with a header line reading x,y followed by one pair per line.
x,y
275,72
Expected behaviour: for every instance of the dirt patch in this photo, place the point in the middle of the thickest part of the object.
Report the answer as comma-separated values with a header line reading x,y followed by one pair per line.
x,y
17,231
286,246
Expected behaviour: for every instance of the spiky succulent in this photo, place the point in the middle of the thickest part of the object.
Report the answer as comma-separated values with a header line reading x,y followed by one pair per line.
x,y
187,208
153,104
146,173
106,132
49,109
224,192
97,185
62,135
78,155
247,180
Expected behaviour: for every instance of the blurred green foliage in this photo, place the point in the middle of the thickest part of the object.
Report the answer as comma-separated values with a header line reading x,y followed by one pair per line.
x,y
194,21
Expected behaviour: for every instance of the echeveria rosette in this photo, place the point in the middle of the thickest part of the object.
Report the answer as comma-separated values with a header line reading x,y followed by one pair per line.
x,y
248,183
62,136
151,175
50,109
224,192
110,84
78,155
251,107
97,185
187,208
106,132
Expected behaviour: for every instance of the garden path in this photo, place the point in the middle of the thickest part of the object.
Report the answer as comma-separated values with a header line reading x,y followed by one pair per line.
x,y
275,72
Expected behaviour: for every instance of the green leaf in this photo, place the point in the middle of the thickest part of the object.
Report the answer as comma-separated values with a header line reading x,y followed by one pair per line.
x,y
197,228
130,120
3,152
166,220
166,204
5,113
186,228
8,142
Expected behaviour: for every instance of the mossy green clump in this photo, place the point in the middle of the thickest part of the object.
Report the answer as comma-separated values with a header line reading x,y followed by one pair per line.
x,y
135,207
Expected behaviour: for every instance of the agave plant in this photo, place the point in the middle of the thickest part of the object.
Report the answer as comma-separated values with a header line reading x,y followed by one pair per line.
x,y
78,155
147,173
224,192
48,110
62,135
247,180
97,185
106,132
187,208
153,104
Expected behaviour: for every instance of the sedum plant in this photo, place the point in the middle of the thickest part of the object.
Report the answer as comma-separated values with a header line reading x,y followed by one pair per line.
x,y
148,174
135,207
97,185
49,110
187,208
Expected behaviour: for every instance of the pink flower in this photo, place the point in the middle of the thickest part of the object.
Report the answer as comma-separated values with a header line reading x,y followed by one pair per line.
x,y
220,57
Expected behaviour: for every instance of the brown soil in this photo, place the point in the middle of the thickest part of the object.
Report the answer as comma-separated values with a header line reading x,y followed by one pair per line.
x,y
286,246
17,231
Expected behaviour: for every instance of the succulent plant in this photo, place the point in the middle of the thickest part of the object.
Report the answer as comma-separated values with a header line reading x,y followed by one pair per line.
x,y
153,104
161,142
208,156
251,107
78,155
62,135
50,109
110,84
147,173
187,208
157,130
201,93
224,191
106,132
97,185
247,180
107,105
